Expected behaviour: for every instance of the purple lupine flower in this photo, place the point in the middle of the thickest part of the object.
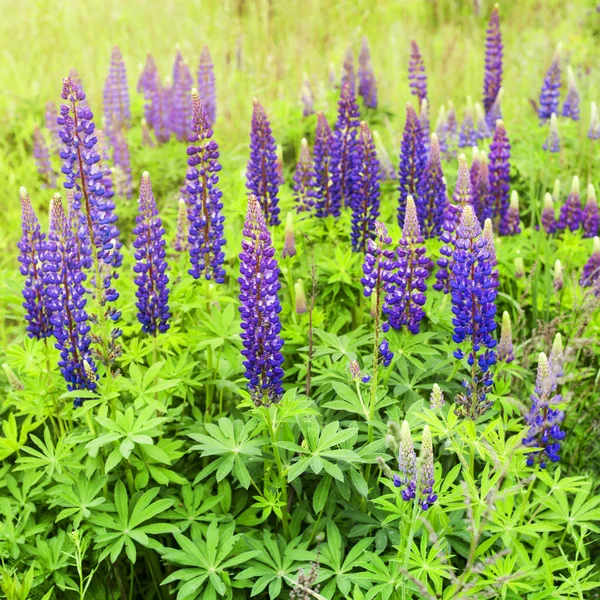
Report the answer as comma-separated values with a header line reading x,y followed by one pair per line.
x,y
64,277
42,159
570,212
590,219
52,126
344,149
544,420
407,298
413,159
159,117
424,122
590,277
594,128
378,279
488,236
505,345
558,279
181,109
260,308
492,78
365,202
481,189
321,184
416,73
308,98
407,464
482,129
467,136
387,169
262,178
557,356
495,113
116,105
550,92
445,261
463,191
151,279
303,176
206,85
426,480
32,246
548,216
122,162
206,239
432,192
181,236
552,142
571,103
474,309
499,173
146,137
348,75
511,224
146,85
367,87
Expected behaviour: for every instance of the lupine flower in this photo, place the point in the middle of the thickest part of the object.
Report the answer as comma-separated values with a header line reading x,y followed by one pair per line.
x,y
505,346
492,78
260,308
365,202
495,113
482,129
386,167
117,110
436,400
481,189
416,73
151,279
519,268
474,308
511,224
404,304
52,126
594,128
367,88
300,295
591,270
42,159
499,173
303,177
159,116
590,217
206,239
557,356
424,122
557,276
426,481
548,103
354,369
344,169
64,277
463,192
543,420
378,277
445,261
570,212
552,142
556,190
321,184
467,137
206,85
432,192
488,236
413,159
289,244
571,103
181,236
348,75
407,464
548,216
180,98
146,137
146,85
32,246
308,98
262,178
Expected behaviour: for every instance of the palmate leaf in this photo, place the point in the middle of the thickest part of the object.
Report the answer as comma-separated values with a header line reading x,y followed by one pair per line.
x,y
14,437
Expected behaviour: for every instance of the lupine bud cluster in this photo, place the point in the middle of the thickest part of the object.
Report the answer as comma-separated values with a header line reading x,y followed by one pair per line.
x,y
467,136
552,142
548,103
557,276
511,223
590,218
594,128
416,73
303,177
482,129
571,103
181,237
324,202
548,216
300,296
289,244
505,346
570,212
492,78
436,400
367,87
557,356
481,190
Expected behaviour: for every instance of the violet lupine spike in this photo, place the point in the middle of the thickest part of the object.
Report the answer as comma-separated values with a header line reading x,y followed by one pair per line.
x,y
474,309
482,129
42,159
570,212
181,109
467,137
308,98
463,191
548,102
488,236
365,202
424,122
413,159
426,480
262,177
505,345
481,190
206,237
548,215
32,246
206,85
571,102
499,173
558,279
544,421
416,73
495,113
594,128
303,176
117,110
321,184
590,219
367,87
445,261
348,74
407,464
51,125
344,148
146,86
151,279
387,169
260,308
407,299
552,142
181,236
511,224
160,110
64,277
492,78
590,276
122,161
432,192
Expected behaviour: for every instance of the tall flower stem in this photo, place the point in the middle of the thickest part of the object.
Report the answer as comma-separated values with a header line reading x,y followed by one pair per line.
x,y
409,542
281,472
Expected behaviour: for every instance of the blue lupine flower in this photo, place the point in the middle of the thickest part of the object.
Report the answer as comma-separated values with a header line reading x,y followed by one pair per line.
x,y
492,78
499,173
511,224
445,261
260,308
548,217
570,212
180,105
321,184
550,92
407,464
571,103
146,85
367,87
432,192
467,136
116,104
417,76
552,142
481,190
206,85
